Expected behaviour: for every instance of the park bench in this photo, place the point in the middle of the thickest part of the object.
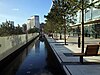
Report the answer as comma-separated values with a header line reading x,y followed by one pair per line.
x,y
91,50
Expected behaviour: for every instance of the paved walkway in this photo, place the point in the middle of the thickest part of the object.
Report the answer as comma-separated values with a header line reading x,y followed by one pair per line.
x,y
71,64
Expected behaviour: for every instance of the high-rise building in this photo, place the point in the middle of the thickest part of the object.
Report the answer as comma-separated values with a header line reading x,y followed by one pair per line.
x,y
33,22
28,24
36,20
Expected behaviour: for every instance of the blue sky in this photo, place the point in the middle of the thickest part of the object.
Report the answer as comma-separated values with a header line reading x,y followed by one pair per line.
x,y
21,10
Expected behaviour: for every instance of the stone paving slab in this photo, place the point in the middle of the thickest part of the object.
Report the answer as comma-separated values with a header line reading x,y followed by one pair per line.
x,y
51,40
71,64
60,52
84,69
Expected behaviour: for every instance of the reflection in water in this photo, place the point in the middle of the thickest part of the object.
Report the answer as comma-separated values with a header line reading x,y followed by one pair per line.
x,y
37,46
34,60
42,38
14,65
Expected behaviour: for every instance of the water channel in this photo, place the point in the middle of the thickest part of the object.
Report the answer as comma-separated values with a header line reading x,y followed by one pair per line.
x,y
34,60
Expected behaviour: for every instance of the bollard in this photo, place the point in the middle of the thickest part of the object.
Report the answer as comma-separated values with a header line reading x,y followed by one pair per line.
x,y
95,36
78,42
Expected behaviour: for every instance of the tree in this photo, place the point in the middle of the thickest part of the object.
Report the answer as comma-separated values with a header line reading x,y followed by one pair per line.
x,y
33,30
82,5
8,29
18,30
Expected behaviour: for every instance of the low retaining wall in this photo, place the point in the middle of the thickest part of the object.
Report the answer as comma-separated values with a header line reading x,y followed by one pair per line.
x,y
10,54
10,44
55,60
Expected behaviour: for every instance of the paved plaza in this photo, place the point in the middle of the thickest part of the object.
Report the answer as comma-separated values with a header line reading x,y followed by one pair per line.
x,y
71,64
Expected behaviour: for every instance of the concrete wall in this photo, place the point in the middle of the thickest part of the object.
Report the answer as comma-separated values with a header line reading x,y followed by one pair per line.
x,y
9,44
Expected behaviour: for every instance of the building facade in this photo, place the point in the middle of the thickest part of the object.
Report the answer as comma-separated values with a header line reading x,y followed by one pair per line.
x,y
91,22
28,24
36,21
33,22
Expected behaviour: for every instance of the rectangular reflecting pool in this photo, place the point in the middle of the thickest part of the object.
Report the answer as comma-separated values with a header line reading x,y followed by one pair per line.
x,y
36,59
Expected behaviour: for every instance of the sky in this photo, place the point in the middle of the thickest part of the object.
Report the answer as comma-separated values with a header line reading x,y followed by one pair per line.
x,y
21,10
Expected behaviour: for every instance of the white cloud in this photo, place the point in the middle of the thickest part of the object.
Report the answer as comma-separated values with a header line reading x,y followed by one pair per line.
x,y
15,9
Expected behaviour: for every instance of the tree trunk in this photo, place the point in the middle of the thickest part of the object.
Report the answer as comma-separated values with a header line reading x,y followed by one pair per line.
x,y
81,58
65,29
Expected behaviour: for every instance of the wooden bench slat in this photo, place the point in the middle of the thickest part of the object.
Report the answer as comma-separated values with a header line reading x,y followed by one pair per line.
x,y
91,50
